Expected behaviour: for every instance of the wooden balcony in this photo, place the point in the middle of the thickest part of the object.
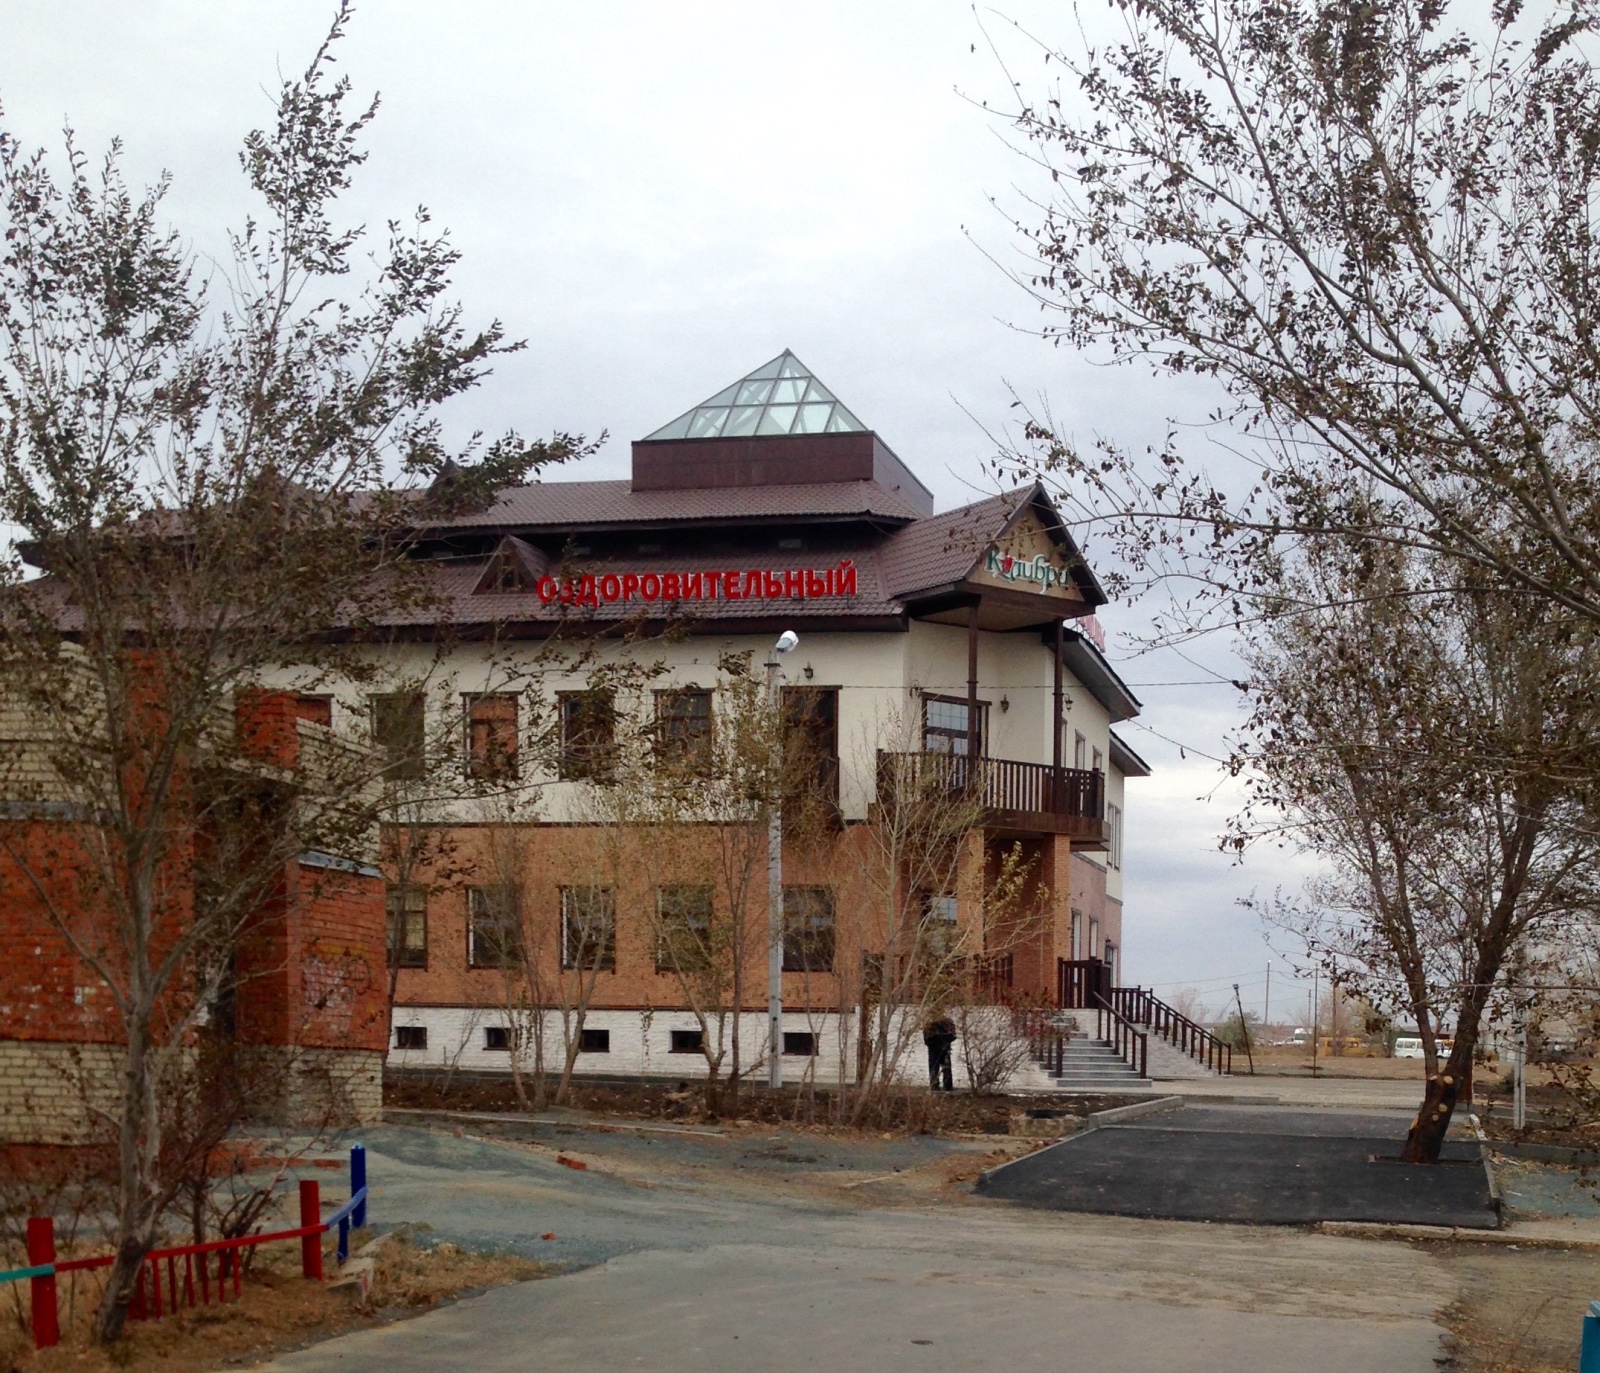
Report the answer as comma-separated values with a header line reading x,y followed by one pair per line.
x,y
1017,797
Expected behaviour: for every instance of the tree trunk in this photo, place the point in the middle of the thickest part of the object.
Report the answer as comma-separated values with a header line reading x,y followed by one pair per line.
x,y
1425,1139
138,1145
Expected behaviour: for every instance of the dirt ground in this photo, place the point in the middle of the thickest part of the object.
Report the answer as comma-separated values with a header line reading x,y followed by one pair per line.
x,y
1520,1310
278,1310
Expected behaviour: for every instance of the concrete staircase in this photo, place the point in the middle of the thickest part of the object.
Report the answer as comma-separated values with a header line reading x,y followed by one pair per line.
x,y
1165,1062
1092,1065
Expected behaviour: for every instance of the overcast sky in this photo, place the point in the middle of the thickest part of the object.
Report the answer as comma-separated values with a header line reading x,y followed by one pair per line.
x,y
659,197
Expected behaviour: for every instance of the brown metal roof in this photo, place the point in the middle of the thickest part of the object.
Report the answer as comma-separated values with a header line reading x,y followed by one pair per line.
x,y
457,579
926,555
942,549
566,505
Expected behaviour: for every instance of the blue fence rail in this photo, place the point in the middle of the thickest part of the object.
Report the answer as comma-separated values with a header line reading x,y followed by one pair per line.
x,y
190,1285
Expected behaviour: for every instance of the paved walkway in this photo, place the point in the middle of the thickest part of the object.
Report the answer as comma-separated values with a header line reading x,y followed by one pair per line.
x,y
703,1273
1260,1165
1346,1092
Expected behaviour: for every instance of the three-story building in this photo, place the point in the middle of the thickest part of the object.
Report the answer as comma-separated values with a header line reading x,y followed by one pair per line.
x,y
959,646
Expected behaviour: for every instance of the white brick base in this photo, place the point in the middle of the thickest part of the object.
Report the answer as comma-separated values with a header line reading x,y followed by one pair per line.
x,y
641,1044
68,1094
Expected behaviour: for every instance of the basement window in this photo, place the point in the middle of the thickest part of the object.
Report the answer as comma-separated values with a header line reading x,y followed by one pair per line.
x,y
411,1036
316,709
497,1038
799,1044
687,1041
595,1042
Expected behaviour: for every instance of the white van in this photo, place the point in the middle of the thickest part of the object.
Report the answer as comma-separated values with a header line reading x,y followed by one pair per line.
x,y
1410,1046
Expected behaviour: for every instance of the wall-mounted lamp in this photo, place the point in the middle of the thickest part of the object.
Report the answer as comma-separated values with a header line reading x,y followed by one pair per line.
x,y
1005,704
809,673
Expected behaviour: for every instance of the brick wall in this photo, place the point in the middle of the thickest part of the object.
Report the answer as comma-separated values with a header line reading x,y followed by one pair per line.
x,y
556,855
50,1091
311,967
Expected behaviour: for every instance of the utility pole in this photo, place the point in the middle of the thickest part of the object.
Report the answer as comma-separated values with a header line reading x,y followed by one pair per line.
x,y
1244,1029
1519,1071
1266,1004
786,641
1316,1014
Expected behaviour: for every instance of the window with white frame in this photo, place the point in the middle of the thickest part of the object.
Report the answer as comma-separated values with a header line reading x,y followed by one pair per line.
x,y
589,929
1114,824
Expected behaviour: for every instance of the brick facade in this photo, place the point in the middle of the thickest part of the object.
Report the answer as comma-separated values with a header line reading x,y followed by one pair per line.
x,y
310,971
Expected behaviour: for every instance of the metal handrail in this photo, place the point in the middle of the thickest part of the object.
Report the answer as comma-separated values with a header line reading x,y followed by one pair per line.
x,y
1131,1043
1005,784
1144,1007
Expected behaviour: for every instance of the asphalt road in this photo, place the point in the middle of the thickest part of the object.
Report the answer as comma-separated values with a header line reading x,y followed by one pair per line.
x,y
699,1264
1258,1165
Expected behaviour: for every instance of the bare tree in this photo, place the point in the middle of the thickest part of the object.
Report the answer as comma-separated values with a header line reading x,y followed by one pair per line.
x,y
210,488
713,776
1372,229
933,919
1423,740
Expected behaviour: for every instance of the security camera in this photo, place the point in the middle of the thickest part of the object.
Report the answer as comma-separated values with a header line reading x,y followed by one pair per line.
x,y
787,640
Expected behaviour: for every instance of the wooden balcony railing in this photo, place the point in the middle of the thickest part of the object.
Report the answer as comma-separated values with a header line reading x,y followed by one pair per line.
x,y
1016,795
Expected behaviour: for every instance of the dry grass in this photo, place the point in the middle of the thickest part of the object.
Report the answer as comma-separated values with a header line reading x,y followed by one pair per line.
x,y
278,1311
905,1111
1520,1311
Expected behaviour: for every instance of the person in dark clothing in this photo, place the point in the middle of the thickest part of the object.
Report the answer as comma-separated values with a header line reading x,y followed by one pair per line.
x,y
939,1035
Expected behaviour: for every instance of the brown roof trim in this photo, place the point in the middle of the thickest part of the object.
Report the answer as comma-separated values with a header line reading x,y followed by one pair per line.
x,y
618,628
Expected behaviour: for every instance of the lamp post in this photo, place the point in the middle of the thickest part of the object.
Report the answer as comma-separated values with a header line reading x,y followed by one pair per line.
x,y
786,642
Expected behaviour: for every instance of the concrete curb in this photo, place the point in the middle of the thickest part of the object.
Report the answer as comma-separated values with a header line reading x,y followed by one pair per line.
x,y
1364,1229
1095,1119
1487,1159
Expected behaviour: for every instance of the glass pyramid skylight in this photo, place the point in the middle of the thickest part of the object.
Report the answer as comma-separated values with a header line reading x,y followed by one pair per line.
x,y
780,398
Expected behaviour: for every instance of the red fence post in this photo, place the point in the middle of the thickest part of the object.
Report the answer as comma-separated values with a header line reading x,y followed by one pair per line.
x,y
42,1250
310,1245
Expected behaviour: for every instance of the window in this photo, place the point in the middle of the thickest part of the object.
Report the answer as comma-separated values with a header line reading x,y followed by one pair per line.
x,y
687,1041
1114,823
506,573
1077,935
491,737
588,734
808,929
939,928
398,727
1094,937
589,928
1096,761
317,709
810,753
799,1044
1080,750
407,909
683,923
811,721
1111,963
497,1038
411,1036
494,924
683,726
594,1042
944,724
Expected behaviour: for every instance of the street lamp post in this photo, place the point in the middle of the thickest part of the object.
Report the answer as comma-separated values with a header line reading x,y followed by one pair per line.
x,y
786,642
